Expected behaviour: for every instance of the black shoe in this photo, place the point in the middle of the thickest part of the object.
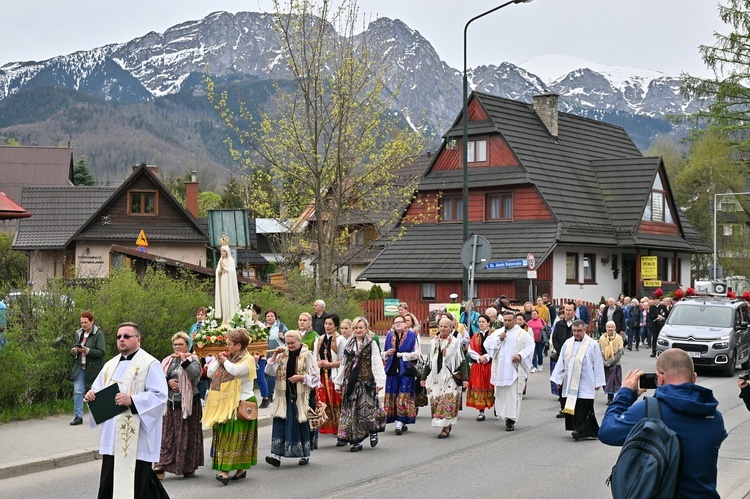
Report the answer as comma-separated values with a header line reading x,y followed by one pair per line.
x,y
652,355
76,421
575,435
630,348
159,474
238,476
303,461
223,479
560,415
399,431
264,403
373,439
356,448
509,425
480,417
273,461
341,443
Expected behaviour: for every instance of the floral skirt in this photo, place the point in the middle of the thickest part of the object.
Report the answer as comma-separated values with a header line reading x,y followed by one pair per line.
x,y
327,393
481,393
235,444
181,440
289,437
399,404
361,413
445,400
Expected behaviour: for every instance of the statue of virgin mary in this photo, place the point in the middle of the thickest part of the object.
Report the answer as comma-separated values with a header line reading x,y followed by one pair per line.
x,y
227,295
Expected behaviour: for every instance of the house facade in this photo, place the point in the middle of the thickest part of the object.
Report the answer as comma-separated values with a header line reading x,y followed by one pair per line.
x,y
73,229
573,192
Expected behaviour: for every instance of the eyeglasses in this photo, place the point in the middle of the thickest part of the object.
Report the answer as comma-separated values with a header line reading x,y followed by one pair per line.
x,y
126,336
399,322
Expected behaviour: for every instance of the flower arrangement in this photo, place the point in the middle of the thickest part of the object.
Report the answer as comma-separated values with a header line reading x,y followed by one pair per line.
x,y
213,333
690,292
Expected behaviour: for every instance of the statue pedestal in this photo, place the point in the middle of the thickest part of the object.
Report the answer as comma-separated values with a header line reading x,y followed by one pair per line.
x,y
259,347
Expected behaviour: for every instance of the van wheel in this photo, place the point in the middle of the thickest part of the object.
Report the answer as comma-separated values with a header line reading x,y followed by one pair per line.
x,y
731,365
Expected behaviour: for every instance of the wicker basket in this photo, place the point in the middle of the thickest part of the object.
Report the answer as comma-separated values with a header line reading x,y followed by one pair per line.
x,y
258,347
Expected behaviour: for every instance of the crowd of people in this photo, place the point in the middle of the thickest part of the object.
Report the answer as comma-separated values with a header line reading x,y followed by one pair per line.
x,y
327,377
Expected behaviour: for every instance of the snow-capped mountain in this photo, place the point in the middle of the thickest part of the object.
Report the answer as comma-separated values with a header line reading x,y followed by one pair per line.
x,y
242,46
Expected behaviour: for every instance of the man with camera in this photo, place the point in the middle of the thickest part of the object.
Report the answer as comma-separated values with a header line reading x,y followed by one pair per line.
x,y
688,409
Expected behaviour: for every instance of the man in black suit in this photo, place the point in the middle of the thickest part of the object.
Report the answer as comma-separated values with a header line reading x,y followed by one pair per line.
x,y
612,312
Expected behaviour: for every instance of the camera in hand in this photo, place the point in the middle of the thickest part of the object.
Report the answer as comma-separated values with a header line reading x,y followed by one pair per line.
x,y
78,345
648,381
745,376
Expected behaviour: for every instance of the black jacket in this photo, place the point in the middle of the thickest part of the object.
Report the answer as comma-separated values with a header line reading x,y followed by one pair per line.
x,y
618,317
560,333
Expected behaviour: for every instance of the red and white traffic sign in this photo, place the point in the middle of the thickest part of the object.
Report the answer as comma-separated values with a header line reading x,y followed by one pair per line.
x,y
530,261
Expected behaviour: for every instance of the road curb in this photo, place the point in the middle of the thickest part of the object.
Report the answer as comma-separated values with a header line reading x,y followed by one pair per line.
x,y
33,465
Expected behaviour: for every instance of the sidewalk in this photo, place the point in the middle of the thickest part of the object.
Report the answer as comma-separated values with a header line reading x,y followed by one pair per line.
x,y
44,444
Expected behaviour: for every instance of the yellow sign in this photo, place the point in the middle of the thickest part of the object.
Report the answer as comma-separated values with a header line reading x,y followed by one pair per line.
x,y
648,267
651,284
142,241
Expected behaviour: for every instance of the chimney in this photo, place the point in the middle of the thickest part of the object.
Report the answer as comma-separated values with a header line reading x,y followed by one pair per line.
x,y
154,168
191,194
545,106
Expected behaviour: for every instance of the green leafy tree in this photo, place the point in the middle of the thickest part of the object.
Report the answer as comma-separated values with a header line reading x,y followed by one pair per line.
x,y
12,265
331,142
208,200
81,173
727,93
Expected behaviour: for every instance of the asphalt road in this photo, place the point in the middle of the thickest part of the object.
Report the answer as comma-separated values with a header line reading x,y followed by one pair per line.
x,y
479,459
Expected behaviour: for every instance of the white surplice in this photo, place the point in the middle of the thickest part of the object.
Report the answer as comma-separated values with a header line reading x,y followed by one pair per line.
x,y
150,404
508,377
592,369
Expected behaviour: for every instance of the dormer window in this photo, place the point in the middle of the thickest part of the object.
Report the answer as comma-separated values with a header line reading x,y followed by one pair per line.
x,y
143,203
477,151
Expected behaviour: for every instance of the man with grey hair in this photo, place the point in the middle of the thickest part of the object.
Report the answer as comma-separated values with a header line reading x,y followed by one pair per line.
x,y
319,317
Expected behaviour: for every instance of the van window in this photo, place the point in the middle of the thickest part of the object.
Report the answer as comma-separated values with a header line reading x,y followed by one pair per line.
x,y
701,316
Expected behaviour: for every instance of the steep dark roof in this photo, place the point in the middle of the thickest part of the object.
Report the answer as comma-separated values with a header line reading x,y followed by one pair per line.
x,y
405,259
592,176
190,231
57,213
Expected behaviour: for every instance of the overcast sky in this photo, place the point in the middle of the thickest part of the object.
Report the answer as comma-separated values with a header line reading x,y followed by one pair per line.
x,y
661,35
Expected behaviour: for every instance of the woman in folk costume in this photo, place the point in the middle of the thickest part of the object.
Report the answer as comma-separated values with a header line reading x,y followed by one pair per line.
x,y
400,349
235,441
481,394
226,294
182,433
328,351
611,345
297,375
444,364
360,378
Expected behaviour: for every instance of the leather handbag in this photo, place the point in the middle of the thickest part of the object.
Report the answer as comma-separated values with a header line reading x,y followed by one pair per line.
x,y
247,411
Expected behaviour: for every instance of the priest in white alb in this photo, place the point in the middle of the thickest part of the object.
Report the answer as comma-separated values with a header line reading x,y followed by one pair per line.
x,y
579,373
511,349
131,441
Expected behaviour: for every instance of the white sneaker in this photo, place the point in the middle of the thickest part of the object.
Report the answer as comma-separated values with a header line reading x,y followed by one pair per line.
x,y
533,370
540,369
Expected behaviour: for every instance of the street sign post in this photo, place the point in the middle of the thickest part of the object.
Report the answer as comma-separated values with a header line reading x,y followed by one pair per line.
x,y
475,253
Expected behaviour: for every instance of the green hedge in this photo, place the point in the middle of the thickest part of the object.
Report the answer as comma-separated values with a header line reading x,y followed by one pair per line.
x,y
41,328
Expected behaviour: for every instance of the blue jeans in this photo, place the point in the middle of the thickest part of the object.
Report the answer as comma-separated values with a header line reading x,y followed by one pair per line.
x,y
645,334
79,385
538,358
633,332
271,382
261,377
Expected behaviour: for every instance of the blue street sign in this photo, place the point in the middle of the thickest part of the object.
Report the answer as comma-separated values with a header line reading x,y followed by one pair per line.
x,y
507,264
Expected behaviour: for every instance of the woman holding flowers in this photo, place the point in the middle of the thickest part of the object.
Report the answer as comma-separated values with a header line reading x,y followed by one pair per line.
x,y
296,376
235,441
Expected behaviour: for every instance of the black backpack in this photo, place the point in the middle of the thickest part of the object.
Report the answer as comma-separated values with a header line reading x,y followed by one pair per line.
x,y
650,461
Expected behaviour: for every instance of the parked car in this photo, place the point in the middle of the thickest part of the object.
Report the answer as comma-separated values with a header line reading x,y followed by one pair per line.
x,y
712,330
